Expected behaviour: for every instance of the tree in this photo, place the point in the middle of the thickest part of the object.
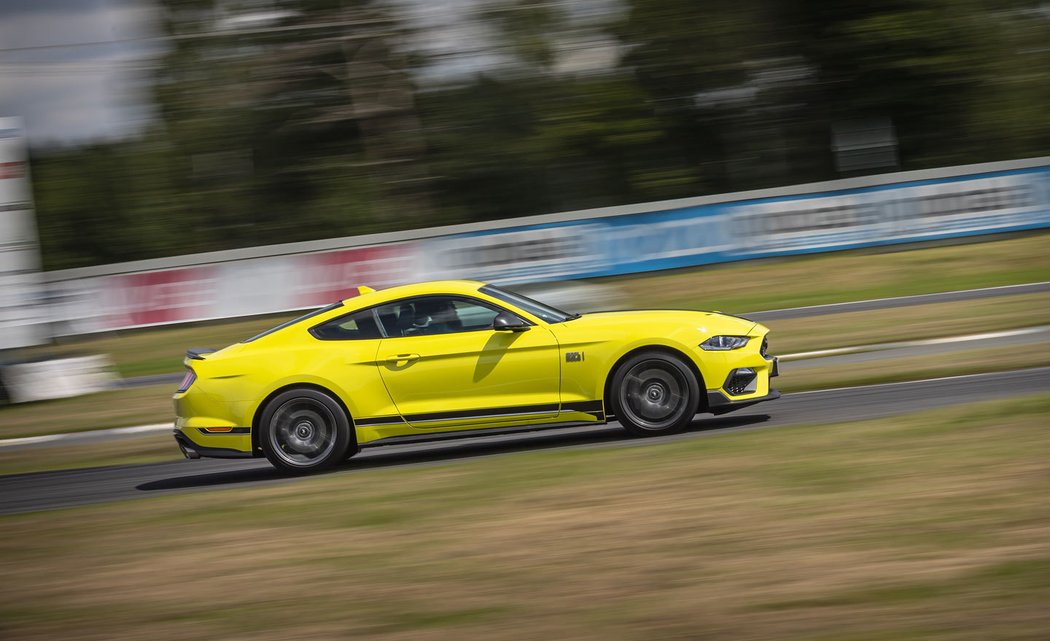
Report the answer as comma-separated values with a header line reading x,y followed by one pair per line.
x,y
301,130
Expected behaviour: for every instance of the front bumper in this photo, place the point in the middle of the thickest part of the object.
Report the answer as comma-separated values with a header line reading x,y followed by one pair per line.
x,y
719,403
748,383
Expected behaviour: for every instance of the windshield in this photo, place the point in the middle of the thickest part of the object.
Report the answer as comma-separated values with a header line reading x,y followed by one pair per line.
x,y
316,312
534,307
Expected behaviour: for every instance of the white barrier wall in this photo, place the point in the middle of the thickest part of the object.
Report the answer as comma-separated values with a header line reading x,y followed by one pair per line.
x,y
57,378
874,210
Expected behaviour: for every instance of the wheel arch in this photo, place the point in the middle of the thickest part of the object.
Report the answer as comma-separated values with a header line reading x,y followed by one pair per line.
x,y
261,407
606,391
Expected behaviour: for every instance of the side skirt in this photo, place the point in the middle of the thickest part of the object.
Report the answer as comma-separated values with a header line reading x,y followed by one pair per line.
x,y
473,433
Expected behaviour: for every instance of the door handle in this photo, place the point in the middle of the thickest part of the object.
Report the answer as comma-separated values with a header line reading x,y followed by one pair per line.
x,y
402,358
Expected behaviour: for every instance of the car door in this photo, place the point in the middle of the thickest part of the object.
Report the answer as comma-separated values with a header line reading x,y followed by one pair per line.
x,y
346,354
444,364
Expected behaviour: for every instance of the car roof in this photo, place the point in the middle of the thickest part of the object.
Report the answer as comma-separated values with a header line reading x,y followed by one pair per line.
x,y
415,289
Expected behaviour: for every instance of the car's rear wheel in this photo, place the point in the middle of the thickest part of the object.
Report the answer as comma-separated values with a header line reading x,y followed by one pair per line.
x,y
305,430
654,393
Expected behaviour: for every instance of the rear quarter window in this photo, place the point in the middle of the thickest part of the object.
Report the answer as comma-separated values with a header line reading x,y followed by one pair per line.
x,y
357,326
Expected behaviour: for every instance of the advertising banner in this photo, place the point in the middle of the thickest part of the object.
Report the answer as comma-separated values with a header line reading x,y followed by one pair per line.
x,y
325,277
878,210
230,289
917,211
664,240
542,252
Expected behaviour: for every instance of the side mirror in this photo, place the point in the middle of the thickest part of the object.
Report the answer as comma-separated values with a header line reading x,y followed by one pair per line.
x,y
507,322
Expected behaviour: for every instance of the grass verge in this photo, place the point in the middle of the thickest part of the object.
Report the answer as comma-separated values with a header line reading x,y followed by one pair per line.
x,y
734,288
908,323
798,376
118,408
160,350
929,526
836,277
153,448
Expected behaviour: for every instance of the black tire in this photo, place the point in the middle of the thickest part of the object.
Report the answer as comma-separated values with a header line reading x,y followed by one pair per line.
x,y
305,430
654,393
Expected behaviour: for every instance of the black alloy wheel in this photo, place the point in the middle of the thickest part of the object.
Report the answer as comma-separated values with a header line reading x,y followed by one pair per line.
x,y
304,430
654,393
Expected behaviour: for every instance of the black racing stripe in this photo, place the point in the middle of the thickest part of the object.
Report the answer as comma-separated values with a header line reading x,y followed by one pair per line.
x,y
588,407
494,412
379,420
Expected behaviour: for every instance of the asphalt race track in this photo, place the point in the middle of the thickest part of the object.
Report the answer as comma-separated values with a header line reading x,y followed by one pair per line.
x,y
66,488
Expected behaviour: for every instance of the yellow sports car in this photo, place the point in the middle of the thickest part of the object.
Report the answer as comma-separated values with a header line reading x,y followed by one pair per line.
x,y
451,356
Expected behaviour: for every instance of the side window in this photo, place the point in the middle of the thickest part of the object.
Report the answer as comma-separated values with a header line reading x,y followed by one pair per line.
x,y
431,315
359,326
474,316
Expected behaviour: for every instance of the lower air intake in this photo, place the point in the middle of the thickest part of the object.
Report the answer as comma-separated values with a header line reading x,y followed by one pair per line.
x,y
742,381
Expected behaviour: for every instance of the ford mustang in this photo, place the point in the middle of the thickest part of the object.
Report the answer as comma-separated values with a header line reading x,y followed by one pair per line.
x,y
431,358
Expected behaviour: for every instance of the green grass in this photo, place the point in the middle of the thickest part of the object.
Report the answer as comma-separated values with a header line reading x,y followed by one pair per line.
x,y
734,288
117,408
835,277
160,350
908,323
926,526
152,448
798,376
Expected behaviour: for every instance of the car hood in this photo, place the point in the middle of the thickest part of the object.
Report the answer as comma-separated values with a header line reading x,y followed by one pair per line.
x,y
706,322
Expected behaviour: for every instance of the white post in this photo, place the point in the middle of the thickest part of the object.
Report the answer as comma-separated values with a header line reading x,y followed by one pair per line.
x,y
23,318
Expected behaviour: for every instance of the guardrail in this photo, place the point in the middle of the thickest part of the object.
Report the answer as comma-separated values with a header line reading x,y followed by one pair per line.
x,y
817,217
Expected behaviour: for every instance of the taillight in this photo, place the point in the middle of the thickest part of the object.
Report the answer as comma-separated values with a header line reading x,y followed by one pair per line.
x,y
187,380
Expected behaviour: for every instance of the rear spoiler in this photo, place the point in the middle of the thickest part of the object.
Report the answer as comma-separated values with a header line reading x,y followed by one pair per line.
x,y
198,353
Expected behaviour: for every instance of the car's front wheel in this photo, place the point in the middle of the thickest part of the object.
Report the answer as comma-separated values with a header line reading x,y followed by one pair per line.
x,y
654,393
304,430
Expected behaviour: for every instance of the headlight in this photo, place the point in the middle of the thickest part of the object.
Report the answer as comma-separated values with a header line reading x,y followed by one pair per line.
x,y
724,343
